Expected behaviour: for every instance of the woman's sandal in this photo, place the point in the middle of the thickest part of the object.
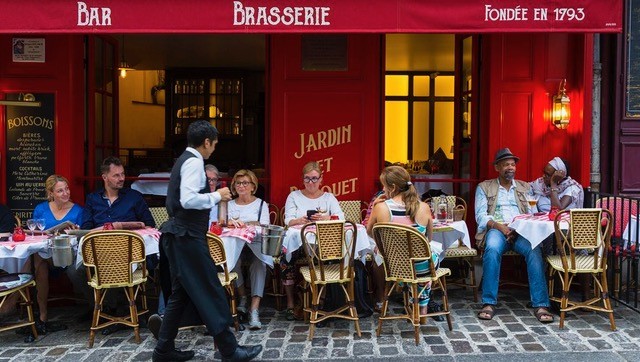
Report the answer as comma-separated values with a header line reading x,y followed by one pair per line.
x,y
487,312
543,315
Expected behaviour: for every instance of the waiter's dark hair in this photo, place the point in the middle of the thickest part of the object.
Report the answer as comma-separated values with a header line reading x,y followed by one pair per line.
x,y
199,131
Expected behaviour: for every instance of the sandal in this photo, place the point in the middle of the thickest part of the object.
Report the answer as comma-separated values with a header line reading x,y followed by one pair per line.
x,y
290,314
543,315
487,312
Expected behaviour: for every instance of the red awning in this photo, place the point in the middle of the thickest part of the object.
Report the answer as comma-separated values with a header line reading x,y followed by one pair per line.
x,y
326,16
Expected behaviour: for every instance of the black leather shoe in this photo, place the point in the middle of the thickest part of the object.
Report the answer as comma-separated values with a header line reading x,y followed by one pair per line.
x,y
435,307
175,355
154,323
243,354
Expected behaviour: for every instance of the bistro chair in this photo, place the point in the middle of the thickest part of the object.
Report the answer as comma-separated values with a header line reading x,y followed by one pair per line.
x,y
352,210
586,233
159,215
463,255
227,278
18,283
18,222
277,289
622,210
115,259
402,247
330,248
274,215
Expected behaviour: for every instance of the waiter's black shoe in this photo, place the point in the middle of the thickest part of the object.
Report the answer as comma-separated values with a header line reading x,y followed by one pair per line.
x,y
243,354
154,323
175,355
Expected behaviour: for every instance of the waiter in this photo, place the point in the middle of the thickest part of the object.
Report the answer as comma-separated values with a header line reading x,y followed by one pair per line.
x,y
194,278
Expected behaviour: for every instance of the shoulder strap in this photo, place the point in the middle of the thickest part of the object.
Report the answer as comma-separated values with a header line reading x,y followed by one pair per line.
x,y
260,209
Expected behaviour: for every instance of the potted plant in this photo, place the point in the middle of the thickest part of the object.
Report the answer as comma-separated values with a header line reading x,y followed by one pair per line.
x,y
158,90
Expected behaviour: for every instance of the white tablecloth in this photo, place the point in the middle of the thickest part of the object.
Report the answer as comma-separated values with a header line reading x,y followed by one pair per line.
x,y
293,241
447,235
151,247
233,246
630,231
535,229
422,187
152,187
14,256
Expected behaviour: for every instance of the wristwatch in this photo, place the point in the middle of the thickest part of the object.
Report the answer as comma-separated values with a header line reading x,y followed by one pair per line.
x,y
554,189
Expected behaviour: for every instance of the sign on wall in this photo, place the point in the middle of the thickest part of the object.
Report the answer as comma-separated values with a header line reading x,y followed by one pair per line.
x,y
28,50
30,152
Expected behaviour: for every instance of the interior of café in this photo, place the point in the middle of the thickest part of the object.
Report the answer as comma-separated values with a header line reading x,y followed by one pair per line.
x,y
171,80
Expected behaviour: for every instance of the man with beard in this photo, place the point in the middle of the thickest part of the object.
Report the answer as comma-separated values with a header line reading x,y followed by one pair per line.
x,y
115,202
498,201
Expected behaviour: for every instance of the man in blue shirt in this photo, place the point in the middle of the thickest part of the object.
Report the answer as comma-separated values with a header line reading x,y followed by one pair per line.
x,y
114,202
498,201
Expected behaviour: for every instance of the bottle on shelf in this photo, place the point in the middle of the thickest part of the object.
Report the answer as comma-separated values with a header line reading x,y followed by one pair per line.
x,y
178,128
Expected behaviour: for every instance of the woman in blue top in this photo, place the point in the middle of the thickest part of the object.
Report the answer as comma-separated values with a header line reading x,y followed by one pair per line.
x,y
57,210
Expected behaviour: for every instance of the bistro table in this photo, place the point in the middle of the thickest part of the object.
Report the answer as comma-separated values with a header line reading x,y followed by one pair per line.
x,y
446,235
537,227
14,254
292,241
152,187
235,239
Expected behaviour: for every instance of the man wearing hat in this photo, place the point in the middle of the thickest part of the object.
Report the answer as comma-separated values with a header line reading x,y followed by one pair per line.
x,y
498,201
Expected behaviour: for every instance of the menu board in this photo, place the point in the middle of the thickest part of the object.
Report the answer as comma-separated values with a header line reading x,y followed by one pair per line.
x,y
30,152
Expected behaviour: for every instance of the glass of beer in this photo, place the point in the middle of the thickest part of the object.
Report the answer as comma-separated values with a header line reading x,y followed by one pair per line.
x,y
532,200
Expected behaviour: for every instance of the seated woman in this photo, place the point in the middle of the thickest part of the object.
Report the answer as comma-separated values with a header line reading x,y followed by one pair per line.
x,y
401,204
556,188
248,209
295,213
57,210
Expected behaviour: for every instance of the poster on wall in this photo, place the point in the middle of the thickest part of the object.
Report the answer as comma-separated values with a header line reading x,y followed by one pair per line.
x,y
30,153
28,50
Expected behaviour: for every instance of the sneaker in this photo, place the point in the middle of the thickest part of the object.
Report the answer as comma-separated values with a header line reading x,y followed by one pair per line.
x,y
254,320
242,305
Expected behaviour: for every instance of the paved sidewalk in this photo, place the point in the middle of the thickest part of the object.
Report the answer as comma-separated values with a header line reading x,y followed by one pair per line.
x,y
513,335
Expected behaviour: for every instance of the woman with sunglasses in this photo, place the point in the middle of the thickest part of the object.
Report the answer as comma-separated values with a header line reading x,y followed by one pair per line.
x,y
243,210
307,205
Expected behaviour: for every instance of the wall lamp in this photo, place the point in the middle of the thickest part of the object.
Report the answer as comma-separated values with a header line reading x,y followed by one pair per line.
x,y
561,111
24,100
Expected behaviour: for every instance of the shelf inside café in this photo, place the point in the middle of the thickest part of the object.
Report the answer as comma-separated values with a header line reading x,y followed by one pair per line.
x,y
148,103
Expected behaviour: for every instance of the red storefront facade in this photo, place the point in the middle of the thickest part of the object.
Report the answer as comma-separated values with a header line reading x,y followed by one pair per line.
x,y
335,117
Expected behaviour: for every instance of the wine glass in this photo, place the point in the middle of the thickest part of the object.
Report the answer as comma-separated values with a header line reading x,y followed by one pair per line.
x,y
40,224
322,208
532,200
31,224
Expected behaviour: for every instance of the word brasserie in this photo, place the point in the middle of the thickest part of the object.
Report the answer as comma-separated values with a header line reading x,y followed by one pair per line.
x,y
274,15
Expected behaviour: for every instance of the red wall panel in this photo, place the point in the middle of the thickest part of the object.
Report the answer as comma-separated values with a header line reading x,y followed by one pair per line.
x,y
308,108
62,73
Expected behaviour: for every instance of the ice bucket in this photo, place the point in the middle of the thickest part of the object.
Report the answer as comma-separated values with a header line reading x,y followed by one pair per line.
x,y
272,240
61,251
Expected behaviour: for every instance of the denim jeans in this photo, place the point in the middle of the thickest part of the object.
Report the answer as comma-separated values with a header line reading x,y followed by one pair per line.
x,y
496,245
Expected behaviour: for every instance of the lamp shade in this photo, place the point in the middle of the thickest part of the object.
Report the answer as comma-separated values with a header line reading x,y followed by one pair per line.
x,y
561,111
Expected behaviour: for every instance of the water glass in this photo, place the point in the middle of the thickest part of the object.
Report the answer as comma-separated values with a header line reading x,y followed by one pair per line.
x,y
40,224
449,213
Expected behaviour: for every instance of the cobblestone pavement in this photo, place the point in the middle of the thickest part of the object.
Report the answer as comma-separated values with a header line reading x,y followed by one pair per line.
x,y
513,335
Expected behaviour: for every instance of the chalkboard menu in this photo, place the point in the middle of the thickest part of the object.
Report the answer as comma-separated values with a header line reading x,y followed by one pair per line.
x,y
30,152
633,60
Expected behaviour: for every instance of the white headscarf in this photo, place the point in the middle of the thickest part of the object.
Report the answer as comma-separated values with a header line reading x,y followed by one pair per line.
x,y
558,164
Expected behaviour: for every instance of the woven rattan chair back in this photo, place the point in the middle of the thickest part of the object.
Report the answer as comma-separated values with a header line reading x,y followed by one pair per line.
x,y
585,233
111,254
159,215
401,247
274,215
216,249
331,242
352,210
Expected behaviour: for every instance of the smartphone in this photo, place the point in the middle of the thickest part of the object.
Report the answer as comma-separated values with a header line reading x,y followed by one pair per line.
x,y
311,213
4,238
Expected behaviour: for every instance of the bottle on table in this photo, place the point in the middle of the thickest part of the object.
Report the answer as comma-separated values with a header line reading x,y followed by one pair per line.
x,y
222,208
